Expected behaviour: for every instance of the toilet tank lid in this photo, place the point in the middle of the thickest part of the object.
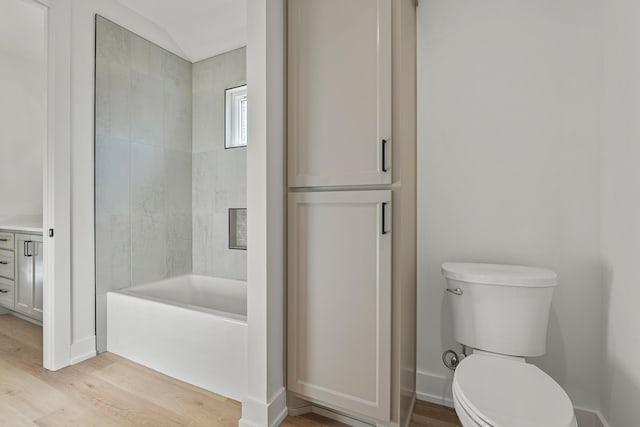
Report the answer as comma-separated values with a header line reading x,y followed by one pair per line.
x,y
500,274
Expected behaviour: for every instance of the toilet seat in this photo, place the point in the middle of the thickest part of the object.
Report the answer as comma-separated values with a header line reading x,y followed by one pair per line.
x,y
467,416
499,392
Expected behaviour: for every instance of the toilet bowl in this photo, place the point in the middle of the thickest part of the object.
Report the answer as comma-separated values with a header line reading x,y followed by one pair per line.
x,y
491,391
502,313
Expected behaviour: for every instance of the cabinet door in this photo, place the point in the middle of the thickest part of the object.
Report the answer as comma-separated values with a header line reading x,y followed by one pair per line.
x,y
24,274
339,92
29,275
339,300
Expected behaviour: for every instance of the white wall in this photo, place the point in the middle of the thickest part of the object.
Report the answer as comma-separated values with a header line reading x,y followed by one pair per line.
x,y
620,189
508,155
22,134
22,109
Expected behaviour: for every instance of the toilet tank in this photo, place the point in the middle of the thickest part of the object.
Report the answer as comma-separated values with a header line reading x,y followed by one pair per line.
x,y
500,308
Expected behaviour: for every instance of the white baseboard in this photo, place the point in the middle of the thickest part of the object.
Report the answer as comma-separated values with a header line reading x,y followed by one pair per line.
x,y
603,420
83,349
434,388
590,418
304,410
259,414
25,318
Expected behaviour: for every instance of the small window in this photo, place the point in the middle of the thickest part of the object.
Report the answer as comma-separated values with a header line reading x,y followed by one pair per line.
x,y
236,117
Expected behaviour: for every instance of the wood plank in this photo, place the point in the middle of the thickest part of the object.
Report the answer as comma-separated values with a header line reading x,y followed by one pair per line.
x,y
77,416
11,415
427,414
109,391
121,360
198,407
27,333
27,393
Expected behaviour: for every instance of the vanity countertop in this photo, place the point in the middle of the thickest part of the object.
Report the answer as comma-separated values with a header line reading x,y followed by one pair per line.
x,y
21,225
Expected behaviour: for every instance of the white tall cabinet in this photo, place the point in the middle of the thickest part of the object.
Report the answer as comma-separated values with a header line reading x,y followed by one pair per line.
x,y
351,207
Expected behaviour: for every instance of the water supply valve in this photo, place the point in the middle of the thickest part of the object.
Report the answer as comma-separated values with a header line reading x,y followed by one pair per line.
x,y
451,359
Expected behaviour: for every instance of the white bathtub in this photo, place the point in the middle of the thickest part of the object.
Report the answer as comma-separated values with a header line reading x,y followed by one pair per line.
x,y
193,328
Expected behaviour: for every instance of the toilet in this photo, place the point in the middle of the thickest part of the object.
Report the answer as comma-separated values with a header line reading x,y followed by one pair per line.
x,y
501,313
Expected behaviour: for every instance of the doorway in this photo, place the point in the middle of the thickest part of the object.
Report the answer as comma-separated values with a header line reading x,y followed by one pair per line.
x,y
23,132
35,195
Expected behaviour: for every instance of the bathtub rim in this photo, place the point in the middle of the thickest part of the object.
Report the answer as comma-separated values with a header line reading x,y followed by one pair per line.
x,y
224,315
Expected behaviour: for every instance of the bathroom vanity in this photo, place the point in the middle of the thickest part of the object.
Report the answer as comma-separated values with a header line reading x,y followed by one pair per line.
x,y
22,269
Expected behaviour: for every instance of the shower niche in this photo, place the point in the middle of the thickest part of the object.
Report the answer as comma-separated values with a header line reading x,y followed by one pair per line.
x,y
238,229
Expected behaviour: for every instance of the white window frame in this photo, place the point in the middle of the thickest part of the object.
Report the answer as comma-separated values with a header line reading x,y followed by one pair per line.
x,y
236,117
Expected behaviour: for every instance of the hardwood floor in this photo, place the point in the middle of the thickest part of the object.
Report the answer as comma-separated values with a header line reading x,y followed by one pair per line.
x,y
111,391
427,414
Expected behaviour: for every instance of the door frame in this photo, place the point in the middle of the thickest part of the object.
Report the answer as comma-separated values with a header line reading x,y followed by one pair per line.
x,y
56,329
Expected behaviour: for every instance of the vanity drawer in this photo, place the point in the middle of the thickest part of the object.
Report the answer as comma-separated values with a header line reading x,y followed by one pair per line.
x,y
7,268
6,240
6,293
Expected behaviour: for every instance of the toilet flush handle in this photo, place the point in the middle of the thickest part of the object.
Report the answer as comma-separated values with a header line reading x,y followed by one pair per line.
x,y
456,291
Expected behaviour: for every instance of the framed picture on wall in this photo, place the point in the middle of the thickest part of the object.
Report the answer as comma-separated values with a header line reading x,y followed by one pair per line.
x,y
235,117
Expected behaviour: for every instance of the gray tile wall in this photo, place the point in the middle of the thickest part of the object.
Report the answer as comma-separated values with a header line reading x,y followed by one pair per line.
x,y
219,174
143,164
164,181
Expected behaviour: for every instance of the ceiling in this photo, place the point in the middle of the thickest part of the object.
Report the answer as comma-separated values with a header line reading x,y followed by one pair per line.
x,y
22,30
201,28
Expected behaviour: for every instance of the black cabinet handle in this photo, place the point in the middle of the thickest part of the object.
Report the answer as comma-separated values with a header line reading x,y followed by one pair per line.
x,y
4,263
27,248
4,291
384,155
384,218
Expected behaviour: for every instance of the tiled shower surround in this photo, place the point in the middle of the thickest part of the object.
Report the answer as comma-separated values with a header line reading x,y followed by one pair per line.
x,y
148,165
219,174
